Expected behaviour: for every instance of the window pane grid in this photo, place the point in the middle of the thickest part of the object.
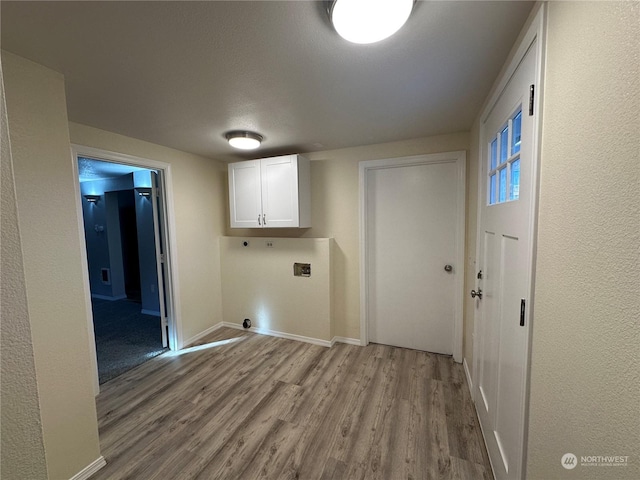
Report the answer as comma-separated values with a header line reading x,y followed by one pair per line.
x,y
516,132
494,153
504,144
504,162
514,184
492,189
503,185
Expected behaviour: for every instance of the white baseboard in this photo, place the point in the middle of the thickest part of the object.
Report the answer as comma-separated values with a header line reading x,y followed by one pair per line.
x,y
237,326
106,297
468,375
202,334
90,469
347,340
155,313
274,333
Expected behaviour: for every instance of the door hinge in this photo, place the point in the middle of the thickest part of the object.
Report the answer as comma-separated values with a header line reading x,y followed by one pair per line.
x,y
531,97
522,310
162,258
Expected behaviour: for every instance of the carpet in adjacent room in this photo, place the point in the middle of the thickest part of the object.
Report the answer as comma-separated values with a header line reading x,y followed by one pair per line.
x,y
125,337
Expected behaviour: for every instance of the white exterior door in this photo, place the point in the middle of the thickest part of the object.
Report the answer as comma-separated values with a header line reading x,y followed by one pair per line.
x,y
505,261
414,230
280,191
244,194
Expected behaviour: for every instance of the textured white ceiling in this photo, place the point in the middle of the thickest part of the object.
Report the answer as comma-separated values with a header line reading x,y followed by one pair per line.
x,y
90,169
183,73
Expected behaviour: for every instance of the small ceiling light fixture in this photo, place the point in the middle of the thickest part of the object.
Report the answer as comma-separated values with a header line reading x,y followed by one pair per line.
x,y
92,198
244,140
369,21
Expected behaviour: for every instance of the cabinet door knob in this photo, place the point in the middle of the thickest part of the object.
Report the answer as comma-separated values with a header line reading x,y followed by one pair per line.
x,y
259,222
264,219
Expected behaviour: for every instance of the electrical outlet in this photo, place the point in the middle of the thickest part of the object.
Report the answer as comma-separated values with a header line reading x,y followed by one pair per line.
x,y
269,244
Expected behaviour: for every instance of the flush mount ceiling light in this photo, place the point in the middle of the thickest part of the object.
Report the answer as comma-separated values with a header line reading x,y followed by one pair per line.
x,y
369,21
244,140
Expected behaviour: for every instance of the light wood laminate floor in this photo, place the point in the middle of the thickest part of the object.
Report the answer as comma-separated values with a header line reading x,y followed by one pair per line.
x,y
248,406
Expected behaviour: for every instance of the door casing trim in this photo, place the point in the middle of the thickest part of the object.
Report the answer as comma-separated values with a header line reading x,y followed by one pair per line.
x,y
173,310
457,157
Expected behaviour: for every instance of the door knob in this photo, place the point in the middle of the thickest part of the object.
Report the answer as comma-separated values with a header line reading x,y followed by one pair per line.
x,y
475,294
448,268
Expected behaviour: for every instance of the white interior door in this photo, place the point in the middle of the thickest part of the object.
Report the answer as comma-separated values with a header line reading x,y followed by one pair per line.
x,y
161,256
412,238
506,233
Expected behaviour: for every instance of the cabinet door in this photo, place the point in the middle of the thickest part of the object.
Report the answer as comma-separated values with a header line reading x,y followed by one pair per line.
x,y
280,191
244,194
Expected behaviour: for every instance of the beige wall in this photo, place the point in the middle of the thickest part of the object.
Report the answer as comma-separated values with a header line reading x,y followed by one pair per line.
x,y
199,191
258,284
335,213
585,384
48,223
584,377
22,445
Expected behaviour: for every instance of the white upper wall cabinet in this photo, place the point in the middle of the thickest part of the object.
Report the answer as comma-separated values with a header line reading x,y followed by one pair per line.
x,y
245,199
270,193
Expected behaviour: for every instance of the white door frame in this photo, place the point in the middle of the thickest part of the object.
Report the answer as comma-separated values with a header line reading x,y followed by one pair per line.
x,y
536,33
459,158
172,285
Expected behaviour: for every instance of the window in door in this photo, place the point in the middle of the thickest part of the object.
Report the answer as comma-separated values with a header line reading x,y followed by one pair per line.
x,y
504,161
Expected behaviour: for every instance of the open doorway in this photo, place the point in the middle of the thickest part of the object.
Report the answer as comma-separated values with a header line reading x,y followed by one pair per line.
x,y
123,216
